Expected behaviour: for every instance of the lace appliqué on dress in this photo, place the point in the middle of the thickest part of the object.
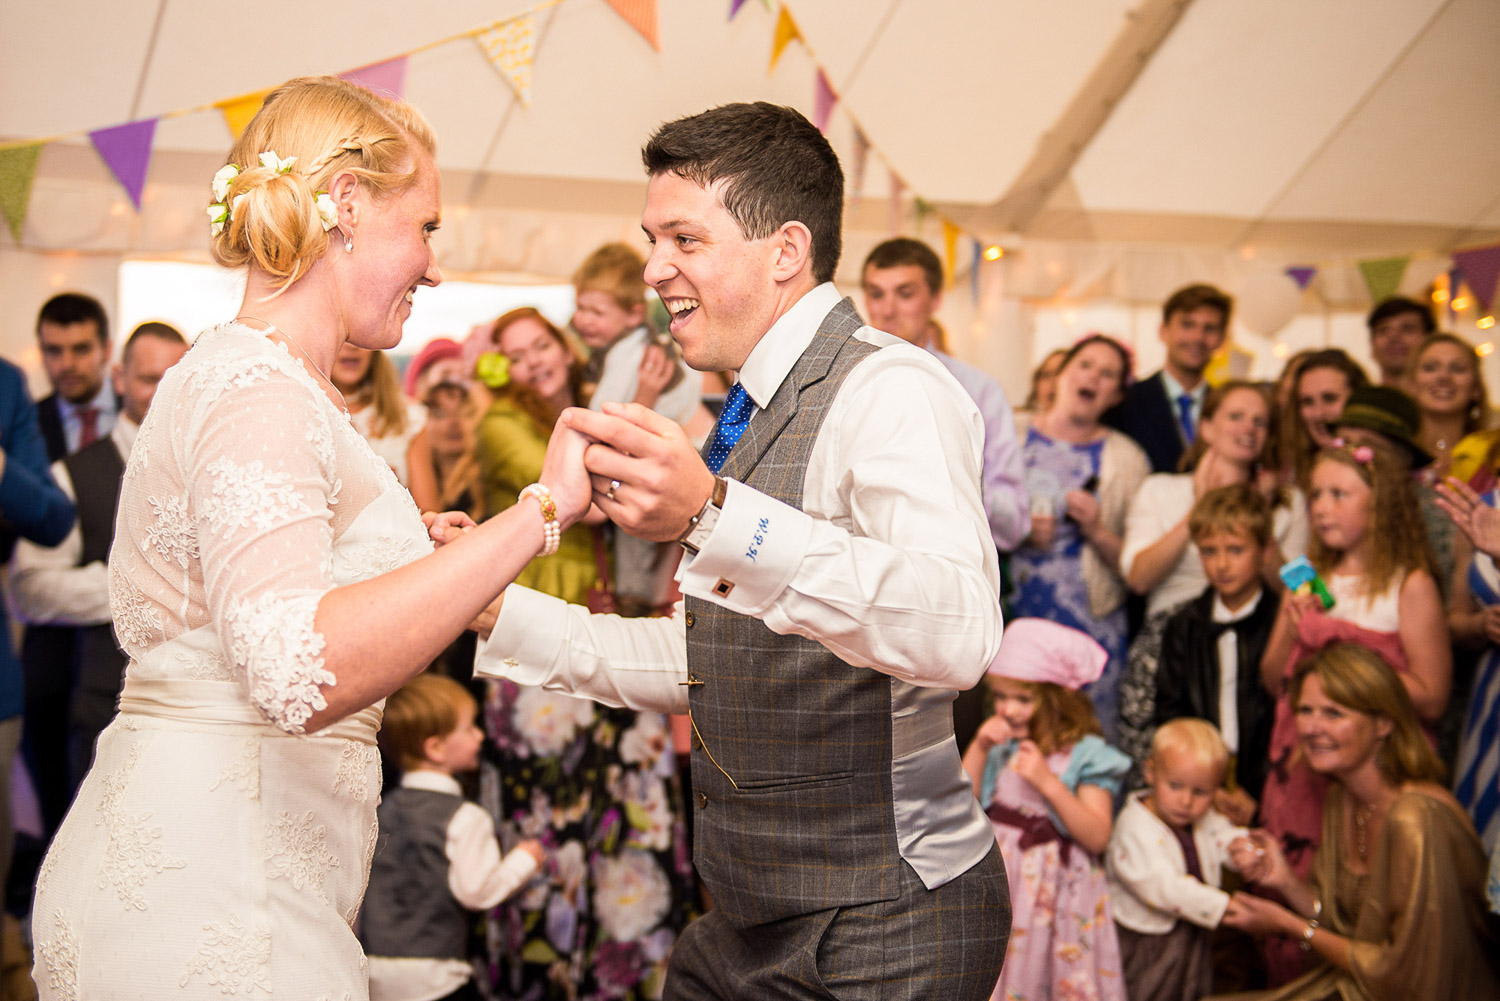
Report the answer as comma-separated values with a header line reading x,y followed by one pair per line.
x,y
171,533
372,839
364,560
232,956
137,620
353,774
298,851
60,953
134,851
243,771
204,666
249,495
273,639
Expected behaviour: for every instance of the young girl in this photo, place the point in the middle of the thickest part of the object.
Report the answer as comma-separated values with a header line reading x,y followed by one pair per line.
x,y
1371,551
1048,781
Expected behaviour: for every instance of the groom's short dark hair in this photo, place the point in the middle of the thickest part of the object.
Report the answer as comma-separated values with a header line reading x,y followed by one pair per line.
x,y
775,165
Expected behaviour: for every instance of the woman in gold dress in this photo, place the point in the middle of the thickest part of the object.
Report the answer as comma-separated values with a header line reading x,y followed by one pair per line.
x,y
1396,906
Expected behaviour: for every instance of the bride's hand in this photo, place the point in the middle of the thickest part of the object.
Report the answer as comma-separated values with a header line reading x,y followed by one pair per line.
x,y
564,474
443,527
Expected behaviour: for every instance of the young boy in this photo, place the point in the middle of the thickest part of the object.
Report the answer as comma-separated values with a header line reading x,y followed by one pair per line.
x,y
1165,858
1211,648
438,858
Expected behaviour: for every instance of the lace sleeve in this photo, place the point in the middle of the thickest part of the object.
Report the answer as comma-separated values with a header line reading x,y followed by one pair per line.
x,y
261,482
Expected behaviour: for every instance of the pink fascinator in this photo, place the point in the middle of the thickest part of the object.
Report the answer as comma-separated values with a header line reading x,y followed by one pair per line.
x,y
1040,650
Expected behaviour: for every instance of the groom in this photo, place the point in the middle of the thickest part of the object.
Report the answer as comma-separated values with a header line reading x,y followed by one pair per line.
x,y
840,587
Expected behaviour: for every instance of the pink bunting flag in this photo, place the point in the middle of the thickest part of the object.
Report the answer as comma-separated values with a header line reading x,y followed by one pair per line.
x,y
1301,276
734,7
126,151
823,101
388,79
1481,269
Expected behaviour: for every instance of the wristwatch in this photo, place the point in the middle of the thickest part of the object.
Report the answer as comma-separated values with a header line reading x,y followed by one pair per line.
x,y
701,525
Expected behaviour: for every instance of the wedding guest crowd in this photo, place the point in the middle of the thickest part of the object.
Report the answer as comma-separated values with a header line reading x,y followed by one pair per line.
x,y
1256,760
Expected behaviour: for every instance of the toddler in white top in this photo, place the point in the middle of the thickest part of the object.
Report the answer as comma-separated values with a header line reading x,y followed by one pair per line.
x,y
1165,859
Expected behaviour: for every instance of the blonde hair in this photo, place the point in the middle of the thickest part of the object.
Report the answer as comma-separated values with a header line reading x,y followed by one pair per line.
x,y
1358,678
330,126
1198,739
1238,508
1060,718
429,705
381,386
1478,414
1397,533
616,270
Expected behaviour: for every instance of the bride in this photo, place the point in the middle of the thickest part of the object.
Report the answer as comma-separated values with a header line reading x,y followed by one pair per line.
x,y
272,583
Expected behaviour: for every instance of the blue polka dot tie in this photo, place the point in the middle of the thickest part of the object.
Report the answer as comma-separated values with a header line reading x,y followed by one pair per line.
x,y
733,420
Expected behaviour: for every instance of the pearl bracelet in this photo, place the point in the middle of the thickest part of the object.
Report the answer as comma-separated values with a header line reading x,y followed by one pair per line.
x,y
551,530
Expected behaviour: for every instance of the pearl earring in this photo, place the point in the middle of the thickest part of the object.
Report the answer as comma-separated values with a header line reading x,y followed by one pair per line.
x,y
348,244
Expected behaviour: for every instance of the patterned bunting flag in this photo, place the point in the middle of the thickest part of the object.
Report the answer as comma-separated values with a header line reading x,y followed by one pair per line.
x,y
950,248
1302,276
786,30
126,150
509,46
1383,276
1481,269
238,111
17,172
388,79
640,15
823,101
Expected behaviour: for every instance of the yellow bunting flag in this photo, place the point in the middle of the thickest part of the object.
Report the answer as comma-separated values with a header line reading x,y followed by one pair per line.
x,y
641,15
786,30
950,249
1383,276
17,172
509,47
239,110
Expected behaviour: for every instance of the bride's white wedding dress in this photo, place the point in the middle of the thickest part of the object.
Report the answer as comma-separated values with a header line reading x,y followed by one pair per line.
x,y
214,850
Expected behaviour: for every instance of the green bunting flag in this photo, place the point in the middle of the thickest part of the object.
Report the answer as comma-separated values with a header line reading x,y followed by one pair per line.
x,y
17,172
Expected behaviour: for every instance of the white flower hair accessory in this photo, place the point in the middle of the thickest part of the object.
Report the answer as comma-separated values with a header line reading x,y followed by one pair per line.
x,y
218,215
223,179
271,161
328,212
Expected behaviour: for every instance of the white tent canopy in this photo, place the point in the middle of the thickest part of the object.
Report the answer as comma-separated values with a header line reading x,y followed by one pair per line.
x,y
1118,148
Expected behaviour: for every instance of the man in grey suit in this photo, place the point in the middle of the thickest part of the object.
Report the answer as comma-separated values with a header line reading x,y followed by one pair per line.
x,y
840,585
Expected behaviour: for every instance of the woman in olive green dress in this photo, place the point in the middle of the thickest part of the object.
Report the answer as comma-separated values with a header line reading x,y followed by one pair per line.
x,y
1396,906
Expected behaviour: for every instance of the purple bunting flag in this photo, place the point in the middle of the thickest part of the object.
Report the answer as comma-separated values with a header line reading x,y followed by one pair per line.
x,y
1481,269
823,101
126,151
734,7
1301,276
388,79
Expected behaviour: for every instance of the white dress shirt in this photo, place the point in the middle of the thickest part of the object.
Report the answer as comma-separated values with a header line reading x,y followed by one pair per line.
x,y
890,564
1229,668
48,587
477,878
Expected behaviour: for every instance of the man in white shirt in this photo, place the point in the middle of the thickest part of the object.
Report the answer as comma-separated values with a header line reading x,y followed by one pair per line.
x,y
840,583
67,586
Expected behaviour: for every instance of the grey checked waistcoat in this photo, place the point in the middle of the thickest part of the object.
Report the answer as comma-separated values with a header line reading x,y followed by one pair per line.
x,y
792,775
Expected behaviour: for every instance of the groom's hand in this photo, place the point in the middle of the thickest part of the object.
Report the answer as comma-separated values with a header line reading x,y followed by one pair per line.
x,y
647,475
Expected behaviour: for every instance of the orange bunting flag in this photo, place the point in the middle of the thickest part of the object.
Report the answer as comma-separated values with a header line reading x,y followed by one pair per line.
x,y
950,249
641,15
786,30
239,110
17,173
510,46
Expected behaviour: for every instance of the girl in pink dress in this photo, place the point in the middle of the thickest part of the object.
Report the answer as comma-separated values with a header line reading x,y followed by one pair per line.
x,y
1048,782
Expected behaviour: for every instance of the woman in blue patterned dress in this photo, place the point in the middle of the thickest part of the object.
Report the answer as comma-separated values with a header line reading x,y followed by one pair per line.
x,y
1081,476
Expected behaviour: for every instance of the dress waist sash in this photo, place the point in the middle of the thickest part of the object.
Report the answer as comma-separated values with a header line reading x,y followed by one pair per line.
x,y
223,703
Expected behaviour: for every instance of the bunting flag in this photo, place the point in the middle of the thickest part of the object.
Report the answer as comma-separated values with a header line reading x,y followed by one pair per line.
x,y
823,101
924,209
1302,276
786,30
950,249
238,111
734,7
1481,269
640,15
896,189
388,79
857,159
1383,276
509,47
126,150
17,172
974,266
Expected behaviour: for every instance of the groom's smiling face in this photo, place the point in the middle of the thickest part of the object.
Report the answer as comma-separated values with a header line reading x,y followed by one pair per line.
x,y
718,286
